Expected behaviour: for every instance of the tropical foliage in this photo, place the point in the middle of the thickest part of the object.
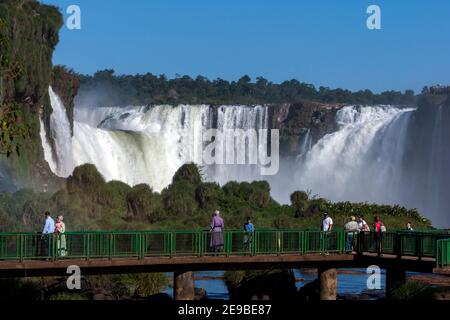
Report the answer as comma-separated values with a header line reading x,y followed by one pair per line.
x,y
107,88
89,202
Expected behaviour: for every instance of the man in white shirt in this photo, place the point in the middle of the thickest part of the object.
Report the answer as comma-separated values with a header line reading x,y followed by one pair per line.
x,y
327,222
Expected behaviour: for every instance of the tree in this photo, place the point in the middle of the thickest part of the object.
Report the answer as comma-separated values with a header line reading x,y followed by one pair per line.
x,y
299,200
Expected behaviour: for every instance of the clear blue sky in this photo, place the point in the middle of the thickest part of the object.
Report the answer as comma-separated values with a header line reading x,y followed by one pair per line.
x,y
324,42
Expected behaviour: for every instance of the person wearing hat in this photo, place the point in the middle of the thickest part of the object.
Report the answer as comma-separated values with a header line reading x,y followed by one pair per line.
x,y
327,226
327,223
351,228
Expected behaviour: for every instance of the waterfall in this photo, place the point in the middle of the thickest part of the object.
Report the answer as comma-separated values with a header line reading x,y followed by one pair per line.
x,y
306,144
359,161
147,144
139,144
48,154
380,154
61,133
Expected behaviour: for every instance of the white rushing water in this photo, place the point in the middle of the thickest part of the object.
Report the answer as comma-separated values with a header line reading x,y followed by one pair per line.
x,y
48,154
361,161
368,158
61,133
148,144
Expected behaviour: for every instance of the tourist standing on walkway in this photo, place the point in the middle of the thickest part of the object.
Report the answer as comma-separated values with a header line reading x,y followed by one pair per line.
x,y
249,228
327,226
378,226
327,223
60,229
409,226
47,232
364,229
217,226
362,224
351,229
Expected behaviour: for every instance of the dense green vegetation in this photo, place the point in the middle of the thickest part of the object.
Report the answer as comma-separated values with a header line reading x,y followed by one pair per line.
x,y
106,88
89,202
28,35
103,287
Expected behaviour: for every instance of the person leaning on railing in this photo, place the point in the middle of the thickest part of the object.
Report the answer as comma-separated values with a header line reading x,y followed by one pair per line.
x,y
351,229
364,229
217,225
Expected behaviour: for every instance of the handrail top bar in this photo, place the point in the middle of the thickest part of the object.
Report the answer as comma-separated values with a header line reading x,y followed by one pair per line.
x,y
81,232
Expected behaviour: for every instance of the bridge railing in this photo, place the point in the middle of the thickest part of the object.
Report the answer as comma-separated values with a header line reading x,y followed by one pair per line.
x,y
140,244
443,253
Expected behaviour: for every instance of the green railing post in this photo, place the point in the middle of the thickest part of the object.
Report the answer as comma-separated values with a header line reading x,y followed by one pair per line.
x,y
172,244
110,240
54,246
88,246
227,242
21,246
141,237
278,242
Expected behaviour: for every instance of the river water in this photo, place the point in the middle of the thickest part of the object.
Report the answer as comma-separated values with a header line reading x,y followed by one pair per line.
x,y
350,282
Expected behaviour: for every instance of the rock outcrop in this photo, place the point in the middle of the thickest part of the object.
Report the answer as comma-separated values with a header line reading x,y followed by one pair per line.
x,y
296,120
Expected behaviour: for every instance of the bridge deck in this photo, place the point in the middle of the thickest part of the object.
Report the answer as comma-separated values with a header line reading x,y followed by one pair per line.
x,y
191,263
98,252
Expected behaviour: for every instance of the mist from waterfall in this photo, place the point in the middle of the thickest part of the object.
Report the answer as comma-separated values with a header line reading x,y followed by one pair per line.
x,y
362,160
380,154
147,144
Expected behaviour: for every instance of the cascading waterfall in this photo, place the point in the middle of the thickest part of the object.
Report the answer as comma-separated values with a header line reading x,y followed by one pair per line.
x,y
48,154
380,154
359,161
62,136
148,144
306,144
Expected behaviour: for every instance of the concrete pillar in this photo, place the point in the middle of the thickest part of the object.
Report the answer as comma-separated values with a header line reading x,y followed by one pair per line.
x,y
183,285
395,277
327,284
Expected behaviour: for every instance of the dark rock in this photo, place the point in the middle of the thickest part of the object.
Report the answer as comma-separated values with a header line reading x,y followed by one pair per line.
x,y
272,285
200,294
159,297
310,291
295,120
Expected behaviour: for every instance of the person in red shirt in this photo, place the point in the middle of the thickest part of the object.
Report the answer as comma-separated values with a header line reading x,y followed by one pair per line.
x,y
378,227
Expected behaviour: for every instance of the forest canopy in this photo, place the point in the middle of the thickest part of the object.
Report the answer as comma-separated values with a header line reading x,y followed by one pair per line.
x,y
143,89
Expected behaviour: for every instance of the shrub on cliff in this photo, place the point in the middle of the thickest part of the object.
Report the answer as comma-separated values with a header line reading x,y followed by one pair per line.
x,y
299,200
85,178
209,195
179,199
188,172
142,203
256,193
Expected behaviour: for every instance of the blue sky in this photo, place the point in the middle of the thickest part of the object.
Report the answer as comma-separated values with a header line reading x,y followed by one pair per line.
x,y
323,42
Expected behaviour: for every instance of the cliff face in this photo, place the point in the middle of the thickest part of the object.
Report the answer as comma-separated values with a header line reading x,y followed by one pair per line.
x,y
297,120
66,84
28,35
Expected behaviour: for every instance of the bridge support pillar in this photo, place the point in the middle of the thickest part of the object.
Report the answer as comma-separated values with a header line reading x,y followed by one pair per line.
x,y
183,285
327,284
395,277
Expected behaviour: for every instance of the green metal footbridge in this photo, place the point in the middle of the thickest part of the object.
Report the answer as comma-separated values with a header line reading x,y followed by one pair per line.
x,y
101,252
